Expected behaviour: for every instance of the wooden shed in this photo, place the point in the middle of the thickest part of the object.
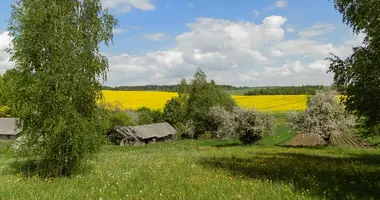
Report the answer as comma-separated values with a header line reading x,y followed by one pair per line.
x,y
141,135
9,129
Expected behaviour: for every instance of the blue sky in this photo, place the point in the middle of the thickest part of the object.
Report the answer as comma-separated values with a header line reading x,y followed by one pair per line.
x,y
244,42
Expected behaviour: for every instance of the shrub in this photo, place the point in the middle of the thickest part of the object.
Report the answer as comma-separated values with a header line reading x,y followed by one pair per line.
x,y
174,112
148,116
202,96
185,130
324,116
247,125
223,122
252,125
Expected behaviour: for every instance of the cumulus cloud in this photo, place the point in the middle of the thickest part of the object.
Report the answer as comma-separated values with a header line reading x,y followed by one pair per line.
x,y
123,6
119,30
290,29
316,30
229,49
156,36
256,13
281,3
5,40
231,52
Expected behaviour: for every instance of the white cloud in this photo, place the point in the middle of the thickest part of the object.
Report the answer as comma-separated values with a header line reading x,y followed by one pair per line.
x,y
242,52
290,29
156,36
256,13
119,30
316,30
275,52
227,49
249,76
5,40
281,3
123,6
217,78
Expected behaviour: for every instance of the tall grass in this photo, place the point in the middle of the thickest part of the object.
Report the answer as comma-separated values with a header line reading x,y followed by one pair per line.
x,y
207,170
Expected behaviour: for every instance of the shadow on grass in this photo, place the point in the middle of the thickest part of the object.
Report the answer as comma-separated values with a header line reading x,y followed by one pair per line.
x,y
40,169
357,177
301,147
232,144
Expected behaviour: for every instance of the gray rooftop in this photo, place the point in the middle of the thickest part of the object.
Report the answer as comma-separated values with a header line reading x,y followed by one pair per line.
x,y
8,126
158,130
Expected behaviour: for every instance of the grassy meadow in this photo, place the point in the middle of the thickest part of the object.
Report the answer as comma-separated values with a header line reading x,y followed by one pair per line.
x,y
205,169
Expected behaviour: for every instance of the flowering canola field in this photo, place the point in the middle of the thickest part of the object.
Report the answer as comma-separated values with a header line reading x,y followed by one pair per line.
x,y
157,100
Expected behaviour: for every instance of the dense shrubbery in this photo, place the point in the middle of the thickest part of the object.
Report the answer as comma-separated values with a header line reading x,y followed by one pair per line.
x,y
148,116
5,110
324,116
292,90
192,107
249,126
114,115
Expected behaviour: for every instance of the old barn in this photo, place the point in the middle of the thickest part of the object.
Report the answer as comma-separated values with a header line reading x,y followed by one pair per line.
x,y
141,135
9,129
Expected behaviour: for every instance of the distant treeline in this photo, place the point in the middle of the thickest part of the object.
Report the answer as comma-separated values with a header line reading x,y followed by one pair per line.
x,y
166,88
288,90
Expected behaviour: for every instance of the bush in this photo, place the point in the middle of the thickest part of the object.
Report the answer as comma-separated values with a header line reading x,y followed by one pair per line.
x,y
148,116
174,112
249,126
201,98
252,125
185,130
114,115
223,122
324,116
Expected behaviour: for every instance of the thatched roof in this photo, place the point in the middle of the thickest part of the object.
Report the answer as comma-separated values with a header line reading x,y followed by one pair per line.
x,y
8,126
307,140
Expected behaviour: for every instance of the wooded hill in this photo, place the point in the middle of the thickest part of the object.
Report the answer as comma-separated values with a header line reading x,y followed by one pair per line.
x,y
243,90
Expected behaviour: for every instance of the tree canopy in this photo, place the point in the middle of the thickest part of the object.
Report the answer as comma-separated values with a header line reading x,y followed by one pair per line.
x,y
359,73
59,68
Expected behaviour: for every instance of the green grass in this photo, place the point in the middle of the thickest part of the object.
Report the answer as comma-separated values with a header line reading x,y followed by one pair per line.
x,y
207,170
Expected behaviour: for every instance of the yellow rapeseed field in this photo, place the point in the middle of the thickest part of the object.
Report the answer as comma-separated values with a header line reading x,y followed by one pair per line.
x,y
157,100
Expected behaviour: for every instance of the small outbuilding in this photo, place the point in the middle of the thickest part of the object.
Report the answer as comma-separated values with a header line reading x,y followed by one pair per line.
x,y
141,135
9,129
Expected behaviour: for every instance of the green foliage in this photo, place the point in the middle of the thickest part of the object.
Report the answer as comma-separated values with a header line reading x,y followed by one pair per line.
x,y
185,130
10,93
291,90
249,126
114,116
170,88
56,49
323,116
174,111
201,98
192,107
252,125
148,116
358,74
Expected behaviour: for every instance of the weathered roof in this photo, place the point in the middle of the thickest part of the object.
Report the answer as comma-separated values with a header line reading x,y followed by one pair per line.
x,y
8,126
157,130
